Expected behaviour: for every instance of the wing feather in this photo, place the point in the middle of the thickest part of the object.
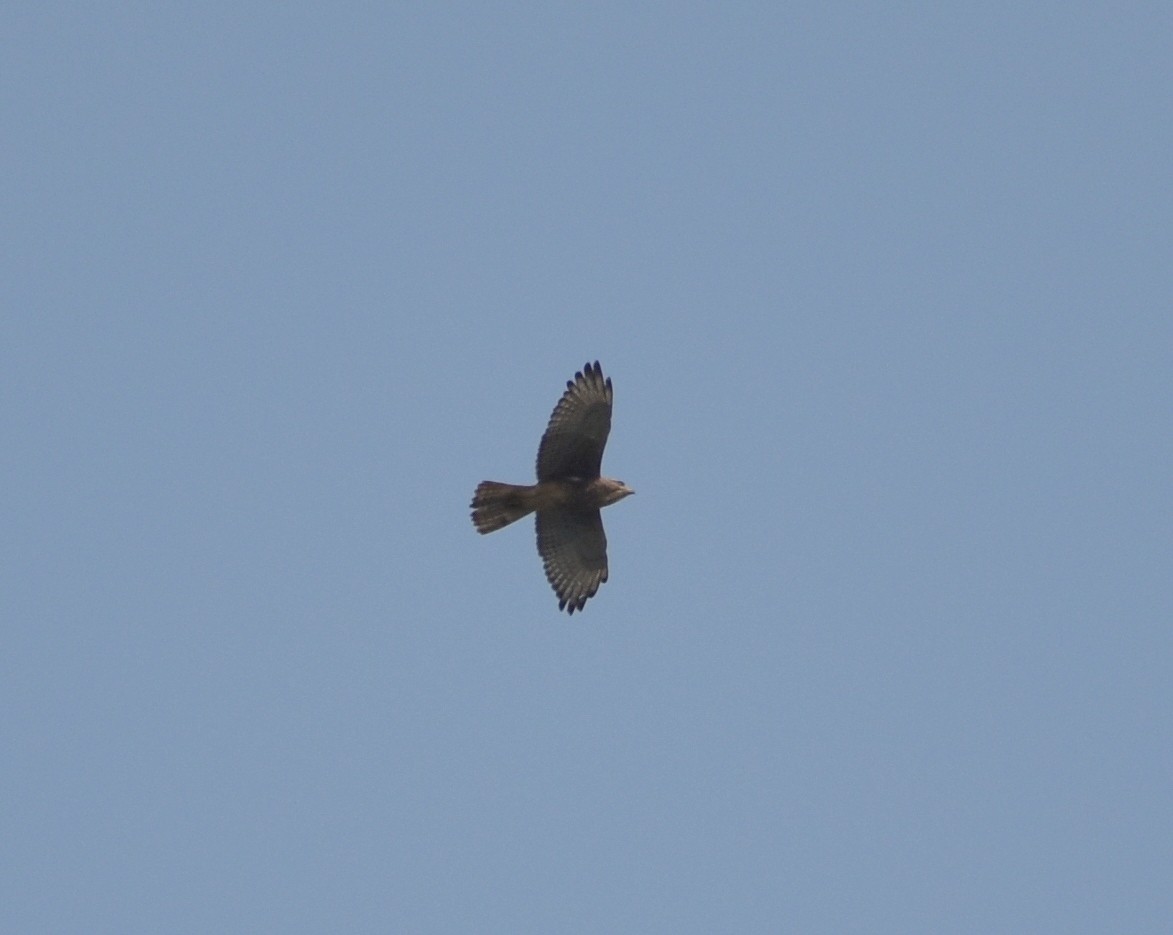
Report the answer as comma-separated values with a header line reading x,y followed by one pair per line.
x,y
573,443
573,548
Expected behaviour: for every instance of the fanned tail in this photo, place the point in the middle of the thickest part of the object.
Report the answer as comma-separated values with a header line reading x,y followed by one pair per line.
x,y
495,505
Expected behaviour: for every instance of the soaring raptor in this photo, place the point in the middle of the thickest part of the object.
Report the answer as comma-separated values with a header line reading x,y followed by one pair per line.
x,y
569,492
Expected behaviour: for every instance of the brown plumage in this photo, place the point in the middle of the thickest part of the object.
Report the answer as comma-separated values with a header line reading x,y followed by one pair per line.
x,y
569,492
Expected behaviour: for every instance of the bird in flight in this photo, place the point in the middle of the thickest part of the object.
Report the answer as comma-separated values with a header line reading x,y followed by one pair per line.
x,y
569,492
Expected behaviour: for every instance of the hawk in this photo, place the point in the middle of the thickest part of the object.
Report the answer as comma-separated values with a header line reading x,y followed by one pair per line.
x,y
569,492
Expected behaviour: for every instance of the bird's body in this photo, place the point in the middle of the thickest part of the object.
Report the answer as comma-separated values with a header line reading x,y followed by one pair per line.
x,y
496,505
569,493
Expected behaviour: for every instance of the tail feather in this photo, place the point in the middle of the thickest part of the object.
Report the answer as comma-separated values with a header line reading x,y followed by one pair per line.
x,y
495,505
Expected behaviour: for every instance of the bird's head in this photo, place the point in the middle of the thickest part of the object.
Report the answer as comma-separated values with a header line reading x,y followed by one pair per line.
x,y
615,490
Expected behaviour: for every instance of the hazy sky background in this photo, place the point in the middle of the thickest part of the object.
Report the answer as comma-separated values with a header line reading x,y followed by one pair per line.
x,y
886,292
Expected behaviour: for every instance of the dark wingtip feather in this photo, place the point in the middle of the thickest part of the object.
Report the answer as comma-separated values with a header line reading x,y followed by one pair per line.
x,y
591,374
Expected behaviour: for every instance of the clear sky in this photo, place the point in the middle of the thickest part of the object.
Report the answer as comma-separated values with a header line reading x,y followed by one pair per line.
x,y
886,292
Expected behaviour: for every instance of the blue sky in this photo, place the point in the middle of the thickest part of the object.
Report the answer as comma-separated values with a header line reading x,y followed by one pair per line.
x,y
885,291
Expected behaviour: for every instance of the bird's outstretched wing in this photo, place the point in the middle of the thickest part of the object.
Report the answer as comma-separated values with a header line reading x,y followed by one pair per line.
x,y
573,443
573,548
